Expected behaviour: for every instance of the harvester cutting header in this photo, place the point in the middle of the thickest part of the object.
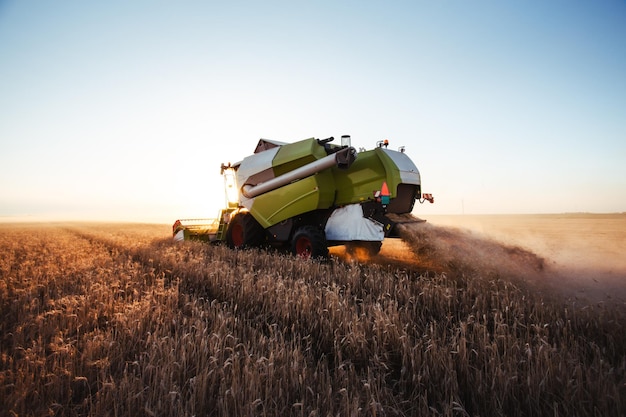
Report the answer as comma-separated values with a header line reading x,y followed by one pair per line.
x,y
312,194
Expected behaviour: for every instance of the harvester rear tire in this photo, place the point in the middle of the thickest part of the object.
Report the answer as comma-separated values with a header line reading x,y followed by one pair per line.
x,y
309,242
244,232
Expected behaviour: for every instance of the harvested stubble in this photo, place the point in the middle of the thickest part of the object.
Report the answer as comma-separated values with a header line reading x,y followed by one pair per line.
x,y
107,320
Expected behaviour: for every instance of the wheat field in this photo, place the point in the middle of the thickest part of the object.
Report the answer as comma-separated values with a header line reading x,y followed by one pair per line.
x,y
116,319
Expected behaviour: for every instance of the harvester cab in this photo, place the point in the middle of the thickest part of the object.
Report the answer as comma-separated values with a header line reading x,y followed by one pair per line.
x,y
312,194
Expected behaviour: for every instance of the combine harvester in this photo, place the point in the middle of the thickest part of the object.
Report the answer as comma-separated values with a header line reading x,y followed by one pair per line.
x,y
312,194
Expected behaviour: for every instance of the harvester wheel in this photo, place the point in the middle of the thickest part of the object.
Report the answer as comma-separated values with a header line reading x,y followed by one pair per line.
x,y
309,242
244,232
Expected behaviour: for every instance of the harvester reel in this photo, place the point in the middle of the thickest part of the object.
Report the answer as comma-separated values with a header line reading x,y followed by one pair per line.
x,y
309,242
244,232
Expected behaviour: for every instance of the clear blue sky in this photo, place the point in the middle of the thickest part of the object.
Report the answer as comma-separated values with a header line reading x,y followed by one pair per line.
x,y
125,109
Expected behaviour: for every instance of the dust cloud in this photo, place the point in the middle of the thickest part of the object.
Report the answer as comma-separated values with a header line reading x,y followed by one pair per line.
x,y
579,257
464,252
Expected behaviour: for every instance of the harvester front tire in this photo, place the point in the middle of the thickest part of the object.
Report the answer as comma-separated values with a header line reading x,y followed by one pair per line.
x,y
244,232
309,242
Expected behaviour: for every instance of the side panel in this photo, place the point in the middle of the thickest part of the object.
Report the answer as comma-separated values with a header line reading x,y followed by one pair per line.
x,y
253,164
404,180
358,183
370,170
295,155
408,172
310,193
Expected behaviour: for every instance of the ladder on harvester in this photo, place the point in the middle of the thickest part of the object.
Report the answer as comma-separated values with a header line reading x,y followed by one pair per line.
x,y
223,226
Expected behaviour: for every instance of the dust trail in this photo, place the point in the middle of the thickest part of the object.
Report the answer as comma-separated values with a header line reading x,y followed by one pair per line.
x,y
574,257
467,253
463,252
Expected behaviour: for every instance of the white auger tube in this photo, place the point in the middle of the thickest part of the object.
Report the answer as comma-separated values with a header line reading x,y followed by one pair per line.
x,y
342,158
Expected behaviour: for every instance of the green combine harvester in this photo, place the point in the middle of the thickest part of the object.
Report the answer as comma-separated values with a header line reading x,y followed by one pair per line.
x,y
313,194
